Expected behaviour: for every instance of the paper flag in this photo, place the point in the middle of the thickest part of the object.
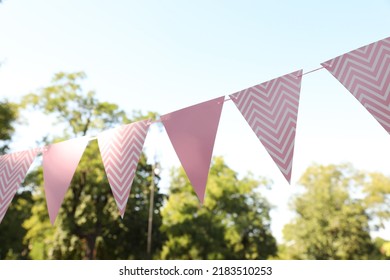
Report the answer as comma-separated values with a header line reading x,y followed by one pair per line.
x,y
271,110
60,161
365,72
192,131
13,170
121,149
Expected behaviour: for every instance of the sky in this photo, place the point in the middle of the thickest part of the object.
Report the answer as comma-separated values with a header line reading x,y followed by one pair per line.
x,y
165,55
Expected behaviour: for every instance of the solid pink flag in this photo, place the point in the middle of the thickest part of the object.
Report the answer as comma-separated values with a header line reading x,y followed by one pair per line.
x,y
365,72
271,110
13,170
60,161
121,149
192,131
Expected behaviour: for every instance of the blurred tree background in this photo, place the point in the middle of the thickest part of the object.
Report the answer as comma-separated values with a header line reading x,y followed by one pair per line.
x,y
8,117
233,223
88,225
336,213
11,230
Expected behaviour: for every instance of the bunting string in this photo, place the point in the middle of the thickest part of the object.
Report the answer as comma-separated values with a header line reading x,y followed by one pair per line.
x,y
270,108
311,71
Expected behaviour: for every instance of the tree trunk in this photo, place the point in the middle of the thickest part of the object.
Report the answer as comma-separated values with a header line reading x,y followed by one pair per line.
x,y
91,250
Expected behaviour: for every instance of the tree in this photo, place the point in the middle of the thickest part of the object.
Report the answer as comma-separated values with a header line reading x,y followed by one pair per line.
x,y
233,223
382,249
376,188
88,225
8,116
11,230
386,249
331,223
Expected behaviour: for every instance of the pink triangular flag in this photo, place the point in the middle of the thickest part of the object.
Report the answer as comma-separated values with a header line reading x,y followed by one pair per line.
x,y
121,149
365,72
271,110
13,170
60,161
192,131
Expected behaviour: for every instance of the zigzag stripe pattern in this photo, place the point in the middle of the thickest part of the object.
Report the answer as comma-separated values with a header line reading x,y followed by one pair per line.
x,y
271,110
121,149
365,72
13,169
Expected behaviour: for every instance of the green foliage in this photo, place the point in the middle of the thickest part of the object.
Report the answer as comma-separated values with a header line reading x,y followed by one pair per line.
x,y
330,223
233,223
11,231
77,112
376,187
381,249
386,249
89,225
8,115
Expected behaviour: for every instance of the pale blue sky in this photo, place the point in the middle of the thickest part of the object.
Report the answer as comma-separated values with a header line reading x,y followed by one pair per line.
x,y
165,55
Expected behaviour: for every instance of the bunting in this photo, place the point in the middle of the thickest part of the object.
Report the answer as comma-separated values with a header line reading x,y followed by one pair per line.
x,y
365,72
13,169
60,161
121,149
271,110
192,132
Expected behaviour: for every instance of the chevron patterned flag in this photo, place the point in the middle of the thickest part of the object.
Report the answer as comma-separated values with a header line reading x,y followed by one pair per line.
x,y
13,170
60,161
121,150
271,110
192,132
365,72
